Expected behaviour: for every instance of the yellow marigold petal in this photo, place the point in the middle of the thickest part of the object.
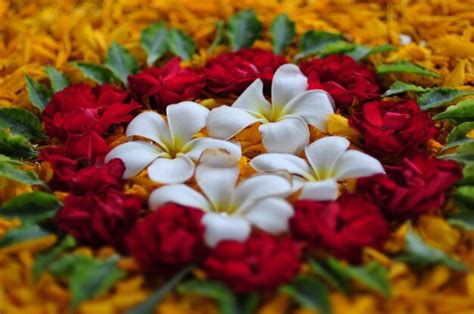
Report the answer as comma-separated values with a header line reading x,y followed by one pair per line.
x,y
438,233
339,125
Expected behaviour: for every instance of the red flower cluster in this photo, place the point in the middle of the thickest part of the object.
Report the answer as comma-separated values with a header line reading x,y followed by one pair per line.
x,y
79,115
169,84
233,72
413,187
343,226
393,129
262,262
168,239
341,76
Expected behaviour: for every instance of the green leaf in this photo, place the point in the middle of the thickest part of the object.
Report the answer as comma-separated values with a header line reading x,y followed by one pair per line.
x,y
22,234
441,96
220,28
465,194
121,62
282,31
153,40
181,44
310,293
464,154
400,87
243,29
44,259
458,135
405,67
149,305
38,94
87,277
9,171
419,253
463,111
314,42
214,290
338,47
468,175
325,270
21,121
463,219
57,79
16,146
31,208
360,52
95,72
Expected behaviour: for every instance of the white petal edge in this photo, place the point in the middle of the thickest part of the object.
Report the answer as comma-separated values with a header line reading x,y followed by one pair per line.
x,y
171,171
253,101
326,190
270,215
355,164
195,147
136,155
288,82
150,125
185,119
216,175
276,161
324,153
224,122
220,227
179,194
289,135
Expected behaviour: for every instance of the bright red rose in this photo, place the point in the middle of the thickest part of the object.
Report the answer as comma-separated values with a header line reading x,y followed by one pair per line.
x,y
232,73
169,84
262,262
341,76
99,219
168,239
413,187
343,226
392,129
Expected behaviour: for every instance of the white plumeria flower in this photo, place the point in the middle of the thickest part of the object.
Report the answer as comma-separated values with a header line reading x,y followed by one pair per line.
x,y
173,152
284,123
230,209
328,161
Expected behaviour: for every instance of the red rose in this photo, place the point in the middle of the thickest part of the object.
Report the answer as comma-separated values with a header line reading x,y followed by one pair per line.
x,y
343,226
233,72
346,80
169,84
391,129
262,262
168,239
414,186
97,220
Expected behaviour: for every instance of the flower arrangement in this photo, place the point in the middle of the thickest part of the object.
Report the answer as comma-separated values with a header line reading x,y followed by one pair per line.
x,y
238,177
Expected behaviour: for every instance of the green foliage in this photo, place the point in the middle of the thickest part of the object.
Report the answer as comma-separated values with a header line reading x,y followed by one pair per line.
x,y
22,122
441,96
153,40
16,146
121,62
31,208
243,29
95,72
405,67
57,79
282,32
461,112
22,234
400,87
181,44
309,292
38,94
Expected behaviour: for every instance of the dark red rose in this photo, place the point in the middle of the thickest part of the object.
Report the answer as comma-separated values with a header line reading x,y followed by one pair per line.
x,y
341,76
392,129
233,72
344,226
81,109
99,219
413,187
168,239
169,84
262,262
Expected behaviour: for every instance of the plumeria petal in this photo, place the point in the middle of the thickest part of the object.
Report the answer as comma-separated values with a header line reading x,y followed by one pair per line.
x,y
260,186
325,190
324,153
313,106
354,164
225,122
221,227
270,215
135,155
171,171
150,125
195,147
185,119
276,161
253,101
217,175
288,82
289,135
179,194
